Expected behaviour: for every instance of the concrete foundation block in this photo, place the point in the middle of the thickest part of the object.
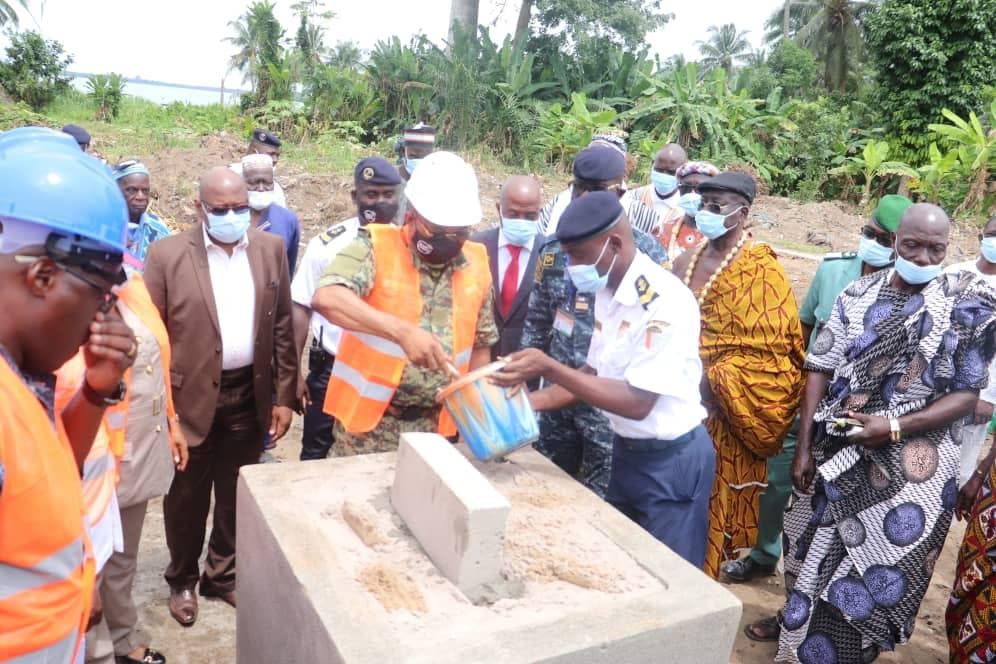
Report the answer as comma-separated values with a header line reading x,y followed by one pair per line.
x,y
452,510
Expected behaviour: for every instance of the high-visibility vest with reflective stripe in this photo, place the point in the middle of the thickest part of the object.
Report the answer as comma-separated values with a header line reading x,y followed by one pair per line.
x,y
46,573
368,368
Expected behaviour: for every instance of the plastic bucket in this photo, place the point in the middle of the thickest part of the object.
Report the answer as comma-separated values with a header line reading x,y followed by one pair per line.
x,y
490,422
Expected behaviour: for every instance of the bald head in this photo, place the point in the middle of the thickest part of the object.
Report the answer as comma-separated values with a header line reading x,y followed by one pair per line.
x,y
520,198
670,158
922,236
221,189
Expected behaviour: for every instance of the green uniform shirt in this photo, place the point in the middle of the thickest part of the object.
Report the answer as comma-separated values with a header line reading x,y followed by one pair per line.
x,y
354,267
837,270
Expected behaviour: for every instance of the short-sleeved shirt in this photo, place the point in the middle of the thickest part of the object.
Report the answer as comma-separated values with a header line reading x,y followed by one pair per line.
x,y
284,223
647,334
354,267
834,274
317,256
989,393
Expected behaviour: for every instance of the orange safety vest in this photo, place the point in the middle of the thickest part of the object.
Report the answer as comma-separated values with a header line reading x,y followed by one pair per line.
x,y
368,368
46,570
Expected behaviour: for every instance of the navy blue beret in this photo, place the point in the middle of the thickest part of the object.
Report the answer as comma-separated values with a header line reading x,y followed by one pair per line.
x,y
266,138
589,215
599,164
738,183
81,135
376,170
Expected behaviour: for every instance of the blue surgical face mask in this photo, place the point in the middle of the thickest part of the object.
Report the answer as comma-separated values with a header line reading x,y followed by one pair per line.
x,y
914,274
519,232
664,183
989,249
873,253
691,203
410,164
227,228
586,277
712,224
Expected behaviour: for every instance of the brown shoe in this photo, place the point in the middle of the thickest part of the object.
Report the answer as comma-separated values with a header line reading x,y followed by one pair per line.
x,y
183,605
226,596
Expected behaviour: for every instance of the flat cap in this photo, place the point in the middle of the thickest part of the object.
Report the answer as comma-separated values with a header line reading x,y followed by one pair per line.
x,y
738,183
376,170
600,163
589,215
266,137
890,211
81,135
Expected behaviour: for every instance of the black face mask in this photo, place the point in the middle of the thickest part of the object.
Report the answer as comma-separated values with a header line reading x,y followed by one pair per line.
x,y
437,250
378,213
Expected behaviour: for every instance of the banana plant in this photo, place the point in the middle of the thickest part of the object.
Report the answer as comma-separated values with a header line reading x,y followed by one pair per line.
x,y
872,164
979,143
933,176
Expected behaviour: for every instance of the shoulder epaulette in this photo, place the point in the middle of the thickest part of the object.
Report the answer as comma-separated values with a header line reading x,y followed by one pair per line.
x,y
332,233
645,291
840,255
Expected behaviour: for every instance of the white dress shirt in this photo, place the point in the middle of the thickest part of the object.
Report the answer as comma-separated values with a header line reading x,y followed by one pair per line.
x,y
320,252
647,334
235,301
505,257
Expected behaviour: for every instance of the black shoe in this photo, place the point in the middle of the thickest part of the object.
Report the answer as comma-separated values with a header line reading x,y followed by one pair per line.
x,y
151,657
746,569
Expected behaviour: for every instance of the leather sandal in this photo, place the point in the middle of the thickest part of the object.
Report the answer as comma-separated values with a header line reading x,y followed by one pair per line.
x,y
183,606
764,630
149,657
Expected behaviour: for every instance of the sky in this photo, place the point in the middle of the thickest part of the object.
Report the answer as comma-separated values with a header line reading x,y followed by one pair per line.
x,y
180,41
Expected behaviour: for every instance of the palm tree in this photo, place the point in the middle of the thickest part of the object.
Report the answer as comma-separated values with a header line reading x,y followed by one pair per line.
x,y
258,37
8,12
346,55
830,29
725,46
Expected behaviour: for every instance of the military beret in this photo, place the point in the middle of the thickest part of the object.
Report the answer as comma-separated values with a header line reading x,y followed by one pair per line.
x,y
890,210
589,215
599,164
738,183
266,137
81,135
376,170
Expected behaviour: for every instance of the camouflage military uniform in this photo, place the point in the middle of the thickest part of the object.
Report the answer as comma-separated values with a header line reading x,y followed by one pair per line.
x,y
559,322
354,268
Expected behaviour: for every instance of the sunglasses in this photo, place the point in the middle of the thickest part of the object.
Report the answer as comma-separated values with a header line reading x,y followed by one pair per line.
x,y
882,238
460,234
222,211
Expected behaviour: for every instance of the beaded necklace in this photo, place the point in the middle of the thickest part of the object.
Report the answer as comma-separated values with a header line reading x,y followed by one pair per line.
x,y
722,266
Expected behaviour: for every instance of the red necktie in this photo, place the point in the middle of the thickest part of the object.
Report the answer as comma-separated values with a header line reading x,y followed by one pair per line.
x,y
510,282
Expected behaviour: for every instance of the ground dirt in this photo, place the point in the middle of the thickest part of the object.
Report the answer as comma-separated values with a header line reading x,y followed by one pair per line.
x,y
801,231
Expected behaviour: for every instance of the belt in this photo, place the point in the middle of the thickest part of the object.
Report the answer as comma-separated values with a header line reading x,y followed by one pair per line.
x,y
234,377
654,444
411,413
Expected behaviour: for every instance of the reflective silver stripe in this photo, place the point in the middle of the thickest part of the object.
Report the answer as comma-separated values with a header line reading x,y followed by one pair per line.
x,y
463,358
116,419
366,388
97,467
57,567
57,653
380,344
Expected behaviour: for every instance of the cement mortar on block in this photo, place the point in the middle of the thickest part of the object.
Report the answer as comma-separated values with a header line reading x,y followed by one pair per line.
x,y
321,550
455,514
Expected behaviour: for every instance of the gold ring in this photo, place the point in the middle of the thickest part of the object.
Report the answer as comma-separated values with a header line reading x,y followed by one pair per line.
x,y
133,351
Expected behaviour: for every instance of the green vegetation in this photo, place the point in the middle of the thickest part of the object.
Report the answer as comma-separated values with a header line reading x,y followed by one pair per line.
x,y
851,99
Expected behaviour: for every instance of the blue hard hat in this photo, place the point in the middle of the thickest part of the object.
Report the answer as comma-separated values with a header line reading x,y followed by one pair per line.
x,y
66,190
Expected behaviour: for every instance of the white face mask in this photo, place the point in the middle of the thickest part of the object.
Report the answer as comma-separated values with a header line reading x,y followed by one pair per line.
x,y
260,200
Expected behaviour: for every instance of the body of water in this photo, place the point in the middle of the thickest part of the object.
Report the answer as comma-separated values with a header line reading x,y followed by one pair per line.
x,y
167,93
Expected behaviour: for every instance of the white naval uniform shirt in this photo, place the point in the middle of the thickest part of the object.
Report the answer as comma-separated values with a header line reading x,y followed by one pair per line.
x,y
234,299
320,252
647,334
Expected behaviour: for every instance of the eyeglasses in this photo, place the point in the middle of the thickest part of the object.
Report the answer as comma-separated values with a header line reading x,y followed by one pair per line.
x,y
108,297
882,238
222,211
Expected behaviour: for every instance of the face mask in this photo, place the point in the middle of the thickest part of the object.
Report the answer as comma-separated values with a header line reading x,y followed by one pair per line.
x,y
378,213
519,231
873,253
691,203
586,277
410,164
712,224
913,274
260,200
437,250
664,183
227,228
989,249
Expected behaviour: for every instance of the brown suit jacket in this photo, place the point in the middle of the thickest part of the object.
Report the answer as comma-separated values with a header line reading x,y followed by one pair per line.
x,y
177,275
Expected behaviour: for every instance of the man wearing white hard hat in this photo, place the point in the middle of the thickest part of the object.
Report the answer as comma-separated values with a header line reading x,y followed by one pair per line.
x,y
415,303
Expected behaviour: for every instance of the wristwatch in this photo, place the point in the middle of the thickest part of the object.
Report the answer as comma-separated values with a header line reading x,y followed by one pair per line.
x,y
895,434
101,401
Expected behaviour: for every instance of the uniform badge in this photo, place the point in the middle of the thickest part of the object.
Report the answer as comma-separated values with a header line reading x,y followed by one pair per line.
x,y
646,293
549,260
332,233
581,304
368,174
538,272
654,335
623,326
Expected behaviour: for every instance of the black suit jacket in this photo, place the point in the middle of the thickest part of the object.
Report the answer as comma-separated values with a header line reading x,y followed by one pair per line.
x,y
510,328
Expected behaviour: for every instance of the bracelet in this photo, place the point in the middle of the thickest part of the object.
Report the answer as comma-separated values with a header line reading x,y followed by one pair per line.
x,y
895,433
